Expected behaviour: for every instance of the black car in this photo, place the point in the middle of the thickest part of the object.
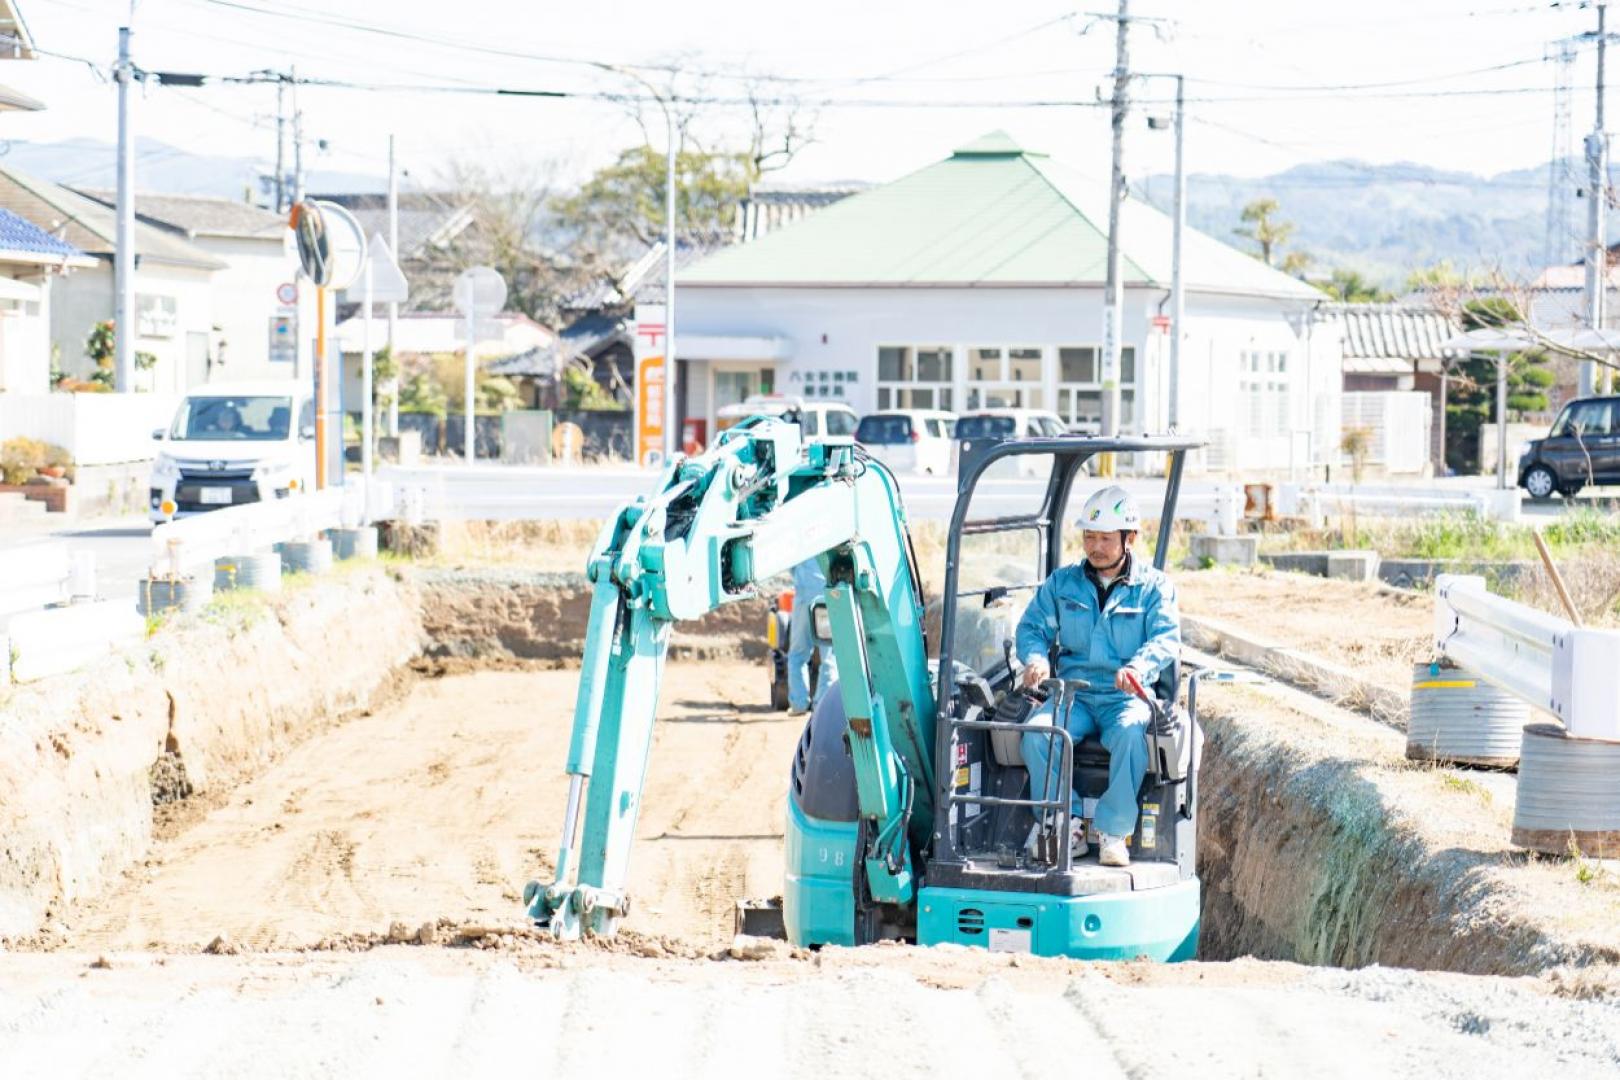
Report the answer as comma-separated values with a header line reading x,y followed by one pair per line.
x,y
1582,448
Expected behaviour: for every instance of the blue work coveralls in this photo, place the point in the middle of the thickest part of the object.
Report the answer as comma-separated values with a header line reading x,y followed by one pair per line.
x,y
1139,628
809,585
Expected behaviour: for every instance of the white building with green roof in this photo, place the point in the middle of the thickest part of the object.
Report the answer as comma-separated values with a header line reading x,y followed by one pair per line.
x,y
978,281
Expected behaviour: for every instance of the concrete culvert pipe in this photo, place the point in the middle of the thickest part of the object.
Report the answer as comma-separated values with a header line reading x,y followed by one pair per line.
x,y
1567,795
307,556
261,571
358,543
1457,717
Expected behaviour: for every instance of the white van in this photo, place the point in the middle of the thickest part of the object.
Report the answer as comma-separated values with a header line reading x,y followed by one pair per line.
x,y
1010,423
815,418
232,443
909,440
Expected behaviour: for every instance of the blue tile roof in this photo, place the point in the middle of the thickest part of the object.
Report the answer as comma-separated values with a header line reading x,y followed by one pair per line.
x,y
20,234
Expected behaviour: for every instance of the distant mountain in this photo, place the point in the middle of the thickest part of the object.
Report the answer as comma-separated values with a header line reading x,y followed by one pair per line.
x,y
160,167
1385,220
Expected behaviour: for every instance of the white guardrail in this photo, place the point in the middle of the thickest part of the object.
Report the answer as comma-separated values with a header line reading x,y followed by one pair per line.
x,y
50,621
1571,672
190,545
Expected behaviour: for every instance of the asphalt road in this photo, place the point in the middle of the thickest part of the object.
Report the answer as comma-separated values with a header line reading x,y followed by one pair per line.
x,y
123,549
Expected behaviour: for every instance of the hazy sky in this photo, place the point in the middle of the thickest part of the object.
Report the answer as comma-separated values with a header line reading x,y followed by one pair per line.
x,y
896,83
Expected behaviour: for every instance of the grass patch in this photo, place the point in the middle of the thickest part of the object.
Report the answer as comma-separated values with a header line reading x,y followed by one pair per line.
x,y
1464,786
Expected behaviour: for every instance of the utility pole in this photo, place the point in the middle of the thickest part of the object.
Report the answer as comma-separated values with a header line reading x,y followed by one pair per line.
x,y
393,305
1113,290
281,146
298,141
1178,299
124,237
672,437
1597,197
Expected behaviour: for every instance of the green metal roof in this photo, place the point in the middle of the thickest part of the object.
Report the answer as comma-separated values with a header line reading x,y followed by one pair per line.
x,y
992,214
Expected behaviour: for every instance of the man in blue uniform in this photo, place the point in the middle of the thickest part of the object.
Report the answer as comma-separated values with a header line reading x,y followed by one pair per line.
x,y
809,585
1108,619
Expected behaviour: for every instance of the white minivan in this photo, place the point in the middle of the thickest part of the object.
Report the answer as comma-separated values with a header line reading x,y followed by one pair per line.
x,y
232,443
815,418
909,440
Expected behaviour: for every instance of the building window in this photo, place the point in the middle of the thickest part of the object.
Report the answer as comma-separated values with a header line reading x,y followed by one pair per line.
x,y
914,377
1079,400
1005,377
1264,389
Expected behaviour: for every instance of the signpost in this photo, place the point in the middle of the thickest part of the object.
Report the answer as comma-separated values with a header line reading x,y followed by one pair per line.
x,y
332,252
381,282
479,293
651,385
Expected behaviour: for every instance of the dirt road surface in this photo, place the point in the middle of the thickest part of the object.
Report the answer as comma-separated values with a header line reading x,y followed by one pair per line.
x,y
435,809
902,1012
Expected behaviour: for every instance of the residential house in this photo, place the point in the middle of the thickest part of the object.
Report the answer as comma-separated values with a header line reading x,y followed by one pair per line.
x,y
174,309
422,334
978,281
31,260
1389,348
429,227
256,305
768,207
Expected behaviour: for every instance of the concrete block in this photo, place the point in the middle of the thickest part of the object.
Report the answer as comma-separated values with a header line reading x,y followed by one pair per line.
x,y
1226,550
1299,562
402,449
1352,565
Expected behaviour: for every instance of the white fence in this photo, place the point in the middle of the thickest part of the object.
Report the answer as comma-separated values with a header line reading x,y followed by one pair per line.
x,y
39,573
97,429
48,623
1571,672
1397,422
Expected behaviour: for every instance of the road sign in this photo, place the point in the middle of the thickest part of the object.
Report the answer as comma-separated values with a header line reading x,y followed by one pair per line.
x,y
388,284
287,293
479,290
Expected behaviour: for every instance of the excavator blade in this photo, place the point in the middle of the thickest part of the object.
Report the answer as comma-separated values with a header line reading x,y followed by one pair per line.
x,y
761,918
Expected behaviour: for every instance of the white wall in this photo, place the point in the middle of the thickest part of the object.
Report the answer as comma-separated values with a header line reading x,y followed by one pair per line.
x,y
244,302
84,298
25,335
842,329
97,429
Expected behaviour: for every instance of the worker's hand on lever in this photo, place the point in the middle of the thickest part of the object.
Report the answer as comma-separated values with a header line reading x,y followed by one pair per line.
x,y
1035,672
1127,681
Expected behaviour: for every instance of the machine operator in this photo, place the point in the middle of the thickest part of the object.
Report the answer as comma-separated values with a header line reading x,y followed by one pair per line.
x,y
1107,618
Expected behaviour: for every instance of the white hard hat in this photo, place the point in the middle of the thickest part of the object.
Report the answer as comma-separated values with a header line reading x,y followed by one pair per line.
x,y
1110,509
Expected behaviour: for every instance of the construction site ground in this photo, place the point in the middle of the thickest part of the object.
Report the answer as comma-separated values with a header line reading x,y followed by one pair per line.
x,y
353,908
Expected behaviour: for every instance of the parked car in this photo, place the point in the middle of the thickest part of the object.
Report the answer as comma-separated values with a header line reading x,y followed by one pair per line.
x,y
909,440
1583,447
1009,423
233,443
815,418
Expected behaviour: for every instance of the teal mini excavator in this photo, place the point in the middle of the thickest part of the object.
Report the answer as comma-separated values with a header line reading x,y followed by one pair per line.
x,y
908,801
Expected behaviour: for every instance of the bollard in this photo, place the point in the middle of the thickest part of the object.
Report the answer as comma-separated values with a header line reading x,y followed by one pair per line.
x,y
157,595
307,556
358,543
1567,797
1457,718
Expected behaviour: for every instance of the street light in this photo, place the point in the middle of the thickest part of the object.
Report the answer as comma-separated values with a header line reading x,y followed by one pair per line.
x,y
1178,305
672,440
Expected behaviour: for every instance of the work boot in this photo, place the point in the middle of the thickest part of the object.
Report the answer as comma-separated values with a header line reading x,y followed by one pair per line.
x,y
1112,851
1077,838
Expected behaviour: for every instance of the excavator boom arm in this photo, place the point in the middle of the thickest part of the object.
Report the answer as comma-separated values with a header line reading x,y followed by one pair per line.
x,y
755,505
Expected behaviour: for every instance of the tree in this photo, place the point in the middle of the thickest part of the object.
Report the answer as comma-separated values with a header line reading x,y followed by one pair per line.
x,y
1471,398
621,206
1350,287
1264,228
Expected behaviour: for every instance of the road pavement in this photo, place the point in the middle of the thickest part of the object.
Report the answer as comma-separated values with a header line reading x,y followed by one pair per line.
x,y
122,546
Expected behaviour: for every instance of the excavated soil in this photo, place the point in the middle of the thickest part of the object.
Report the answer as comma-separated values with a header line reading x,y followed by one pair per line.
x,y
441,806
1375,631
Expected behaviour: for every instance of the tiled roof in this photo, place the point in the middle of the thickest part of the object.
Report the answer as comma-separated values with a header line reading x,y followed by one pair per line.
x,y
590,334
21,236
992,214
1389,332
539,362
768,207
201,215
90,225
419,229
